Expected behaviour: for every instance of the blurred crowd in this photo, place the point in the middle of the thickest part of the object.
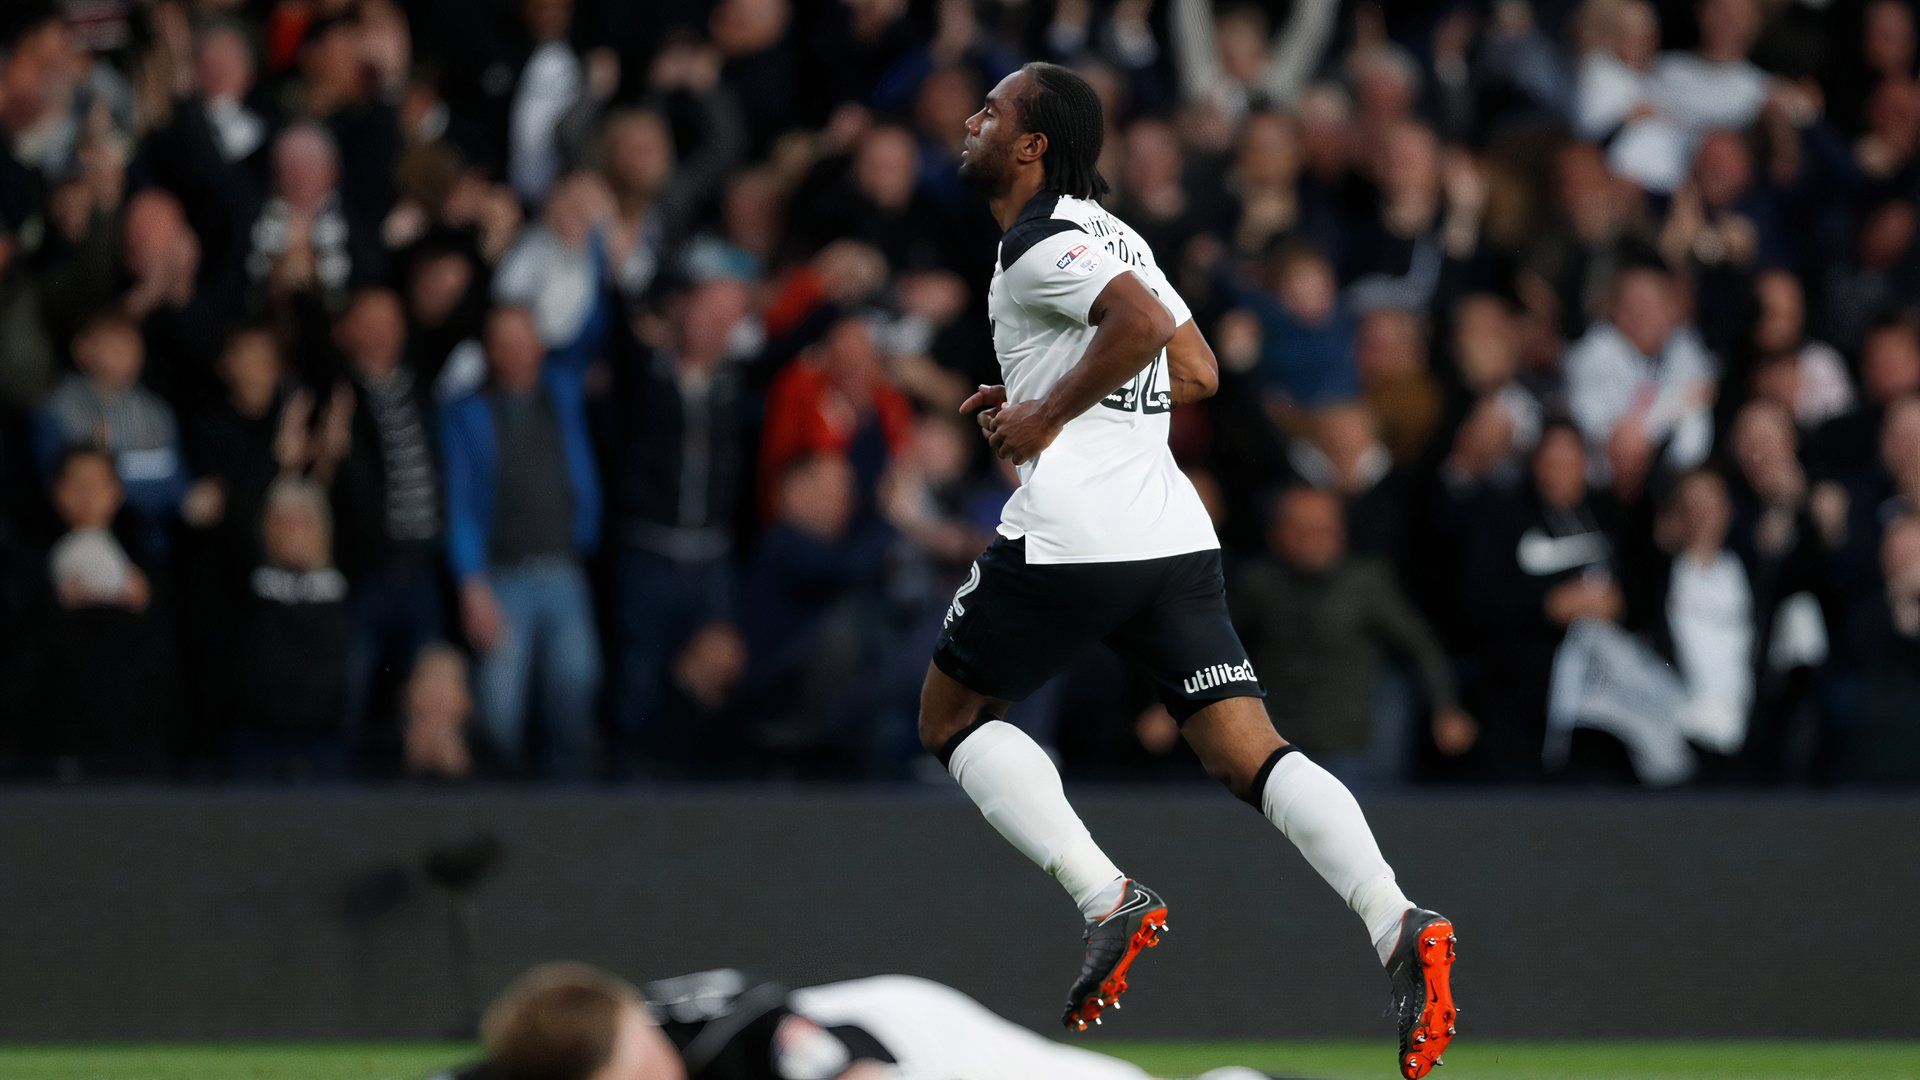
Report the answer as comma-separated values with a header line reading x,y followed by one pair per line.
x,y
567,389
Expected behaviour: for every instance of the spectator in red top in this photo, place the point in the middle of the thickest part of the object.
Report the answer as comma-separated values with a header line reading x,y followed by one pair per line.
x,y
835,399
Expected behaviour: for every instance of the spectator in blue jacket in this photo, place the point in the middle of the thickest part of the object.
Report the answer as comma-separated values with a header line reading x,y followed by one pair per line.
x,y
523,512
1306,334
103,405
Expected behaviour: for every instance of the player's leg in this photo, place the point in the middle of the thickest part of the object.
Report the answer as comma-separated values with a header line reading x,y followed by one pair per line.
x,y
1015,785
1189,646
1011,627
1236,741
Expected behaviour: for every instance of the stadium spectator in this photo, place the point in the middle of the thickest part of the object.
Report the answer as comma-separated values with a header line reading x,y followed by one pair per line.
x,y
89,567
1231,59
1879,270
523,512
1342,453
1390,357
1503,406
386,503
447,288
1318,624
1532,562
810,618
1596,220
27,357
352,64
1879,670
1783,529
835,399
1639,385
178,308
1711,614
103,617
1846,446
212,154
1271,202
238,447
656,195
103,404
307,240
684,458
1306,333
1807,377
558,268
290,701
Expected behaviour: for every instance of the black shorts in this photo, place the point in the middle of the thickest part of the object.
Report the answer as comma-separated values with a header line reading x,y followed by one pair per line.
x,y
1013,625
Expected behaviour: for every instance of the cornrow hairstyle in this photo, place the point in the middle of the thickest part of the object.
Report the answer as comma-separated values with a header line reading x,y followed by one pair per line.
x,y
1064,108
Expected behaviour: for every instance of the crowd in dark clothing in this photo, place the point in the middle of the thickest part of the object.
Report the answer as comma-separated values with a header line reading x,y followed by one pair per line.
x,y
564,389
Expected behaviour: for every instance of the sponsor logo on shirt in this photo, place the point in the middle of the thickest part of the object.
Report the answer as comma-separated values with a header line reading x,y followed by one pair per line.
x,y
1219,675
1079,260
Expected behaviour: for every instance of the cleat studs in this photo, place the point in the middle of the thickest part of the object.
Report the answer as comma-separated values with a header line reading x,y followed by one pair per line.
x,y
1116,1005
1429,942
1419,1039
1096,1021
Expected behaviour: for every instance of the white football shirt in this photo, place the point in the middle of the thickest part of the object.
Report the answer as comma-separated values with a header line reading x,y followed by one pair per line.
x,y
1107,490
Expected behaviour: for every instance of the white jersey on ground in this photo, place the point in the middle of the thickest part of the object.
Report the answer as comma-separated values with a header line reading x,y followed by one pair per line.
x,y
937,1033
1107,490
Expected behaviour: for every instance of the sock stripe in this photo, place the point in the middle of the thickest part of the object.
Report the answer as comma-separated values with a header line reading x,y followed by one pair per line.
x,y
945,753
1256,794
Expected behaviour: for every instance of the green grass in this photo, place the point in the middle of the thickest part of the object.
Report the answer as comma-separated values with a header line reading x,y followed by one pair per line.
x,y
1323,1060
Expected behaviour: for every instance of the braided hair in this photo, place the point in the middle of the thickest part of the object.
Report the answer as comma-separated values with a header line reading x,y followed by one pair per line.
x,y
1064,108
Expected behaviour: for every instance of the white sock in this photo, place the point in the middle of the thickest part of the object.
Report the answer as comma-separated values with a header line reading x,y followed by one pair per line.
x,y
1015,785
1317,812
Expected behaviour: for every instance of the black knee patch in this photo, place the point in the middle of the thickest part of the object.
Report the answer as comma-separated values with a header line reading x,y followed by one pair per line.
x,y
1251,796
945,753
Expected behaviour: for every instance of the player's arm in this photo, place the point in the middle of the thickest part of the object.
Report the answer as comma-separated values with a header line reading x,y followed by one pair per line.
x,y
1190,362
1132,327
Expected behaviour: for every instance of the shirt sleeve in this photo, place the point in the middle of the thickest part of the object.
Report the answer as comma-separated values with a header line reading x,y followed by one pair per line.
x,y
1171,299
1061,274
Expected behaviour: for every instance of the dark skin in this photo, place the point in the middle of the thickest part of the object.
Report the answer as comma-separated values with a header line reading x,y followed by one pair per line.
x,y
1002,160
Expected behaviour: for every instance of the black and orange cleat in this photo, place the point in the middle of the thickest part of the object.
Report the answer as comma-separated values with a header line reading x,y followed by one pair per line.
x,y
1113,942
1420,968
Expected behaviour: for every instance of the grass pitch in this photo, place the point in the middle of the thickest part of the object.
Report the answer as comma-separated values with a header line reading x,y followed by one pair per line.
x,y
1473,1060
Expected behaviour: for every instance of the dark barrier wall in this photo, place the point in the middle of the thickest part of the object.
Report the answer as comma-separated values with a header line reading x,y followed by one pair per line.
x,y
195,915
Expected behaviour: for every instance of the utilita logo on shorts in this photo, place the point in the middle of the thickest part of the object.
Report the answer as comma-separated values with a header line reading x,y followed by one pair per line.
x,y
1219,675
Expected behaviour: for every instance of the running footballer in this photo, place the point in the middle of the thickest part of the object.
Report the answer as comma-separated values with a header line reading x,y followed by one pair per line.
x,y
1106,540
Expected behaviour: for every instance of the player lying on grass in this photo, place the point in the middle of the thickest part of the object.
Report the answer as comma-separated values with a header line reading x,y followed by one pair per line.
x,y
1106,540
574,1022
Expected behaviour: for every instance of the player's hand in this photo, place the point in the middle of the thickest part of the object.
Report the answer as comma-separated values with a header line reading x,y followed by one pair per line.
x,y
985,399
1019,432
